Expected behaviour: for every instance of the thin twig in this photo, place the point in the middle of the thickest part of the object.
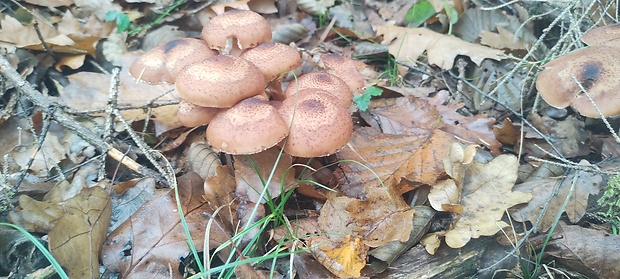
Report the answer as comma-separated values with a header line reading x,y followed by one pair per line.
x,y
67,120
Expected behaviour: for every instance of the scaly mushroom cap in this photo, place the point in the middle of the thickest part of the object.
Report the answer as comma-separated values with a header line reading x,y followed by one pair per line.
x,y
594,69
249,127
320,125
191,115
220,81
273,58
163,63
346,69
606,34
324,81
249,28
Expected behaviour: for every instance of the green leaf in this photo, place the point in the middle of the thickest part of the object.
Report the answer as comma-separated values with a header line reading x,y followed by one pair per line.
x,y
110,16
362,101
122,23
419,13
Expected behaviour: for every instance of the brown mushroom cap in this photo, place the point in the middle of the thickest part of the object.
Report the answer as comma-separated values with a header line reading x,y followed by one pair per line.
x,y
324,81
605,34
249,28
249,127
320,125
594,69
273,58
184,52
346,69
163,63
191,115
220,81
150,67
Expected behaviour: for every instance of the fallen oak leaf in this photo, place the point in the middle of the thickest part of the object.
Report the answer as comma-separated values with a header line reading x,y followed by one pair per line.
x,y
485,194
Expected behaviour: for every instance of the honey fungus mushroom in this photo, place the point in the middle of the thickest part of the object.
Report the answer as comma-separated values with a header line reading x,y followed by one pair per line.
x,y
162,64
249,127
273,58
248,28
324,81
595,69
190,115
220,81
319,125
346,69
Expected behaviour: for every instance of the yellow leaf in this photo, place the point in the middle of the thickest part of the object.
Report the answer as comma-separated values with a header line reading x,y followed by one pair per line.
x,y
347,259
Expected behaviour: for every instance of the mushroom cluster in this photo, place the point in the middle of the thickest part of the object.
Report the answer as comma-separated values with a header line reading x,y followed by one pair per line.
x,y
594,69
223,81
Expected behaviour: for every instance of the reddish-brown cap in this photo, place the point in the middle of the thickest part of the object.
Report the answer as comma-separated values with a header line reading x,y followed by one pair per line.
x,y
346,69
163,63
320,125
220,81
323,81
273,58
595,69
150,67
249,127
191,115
609,34
249,28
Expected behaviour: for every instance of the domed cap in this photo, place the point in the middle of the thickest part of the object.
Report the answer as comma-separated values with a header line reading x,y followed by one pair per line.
x,y
324,81
191,115
273,58
346,69
595,69
163,63
608,34
320,125
249,28
249,127
220,81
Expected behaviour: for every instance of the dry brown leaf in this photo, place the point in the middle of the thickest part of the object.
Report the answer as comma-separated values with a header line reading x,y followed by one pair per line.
x,y
383,216
76,238
252,172
48,156
125,203
152,240
485,194
202,159
408,44
50,3
508,133
416,157
579,184
90,91
588,251
347,259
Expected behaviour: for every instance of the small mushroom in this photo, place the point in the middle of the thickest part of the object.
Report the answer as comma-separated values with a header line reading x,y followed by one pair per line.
x,y
249,28
273,58
324,81
346,69
191,115
220,81
320,126
595,68
251,126
163,63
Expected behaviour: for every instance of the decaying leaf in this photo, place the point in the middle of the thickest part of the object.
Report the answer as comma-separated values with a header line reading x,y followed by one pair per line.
x,y
125,203
485,194
588,251
345,260
153,239
76,238
391,158
579,184
373,219
252,172
408,44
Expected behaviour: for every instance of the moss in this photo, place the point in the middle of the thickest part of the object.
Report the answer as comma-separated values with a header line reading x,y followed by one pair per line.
x,y
610,200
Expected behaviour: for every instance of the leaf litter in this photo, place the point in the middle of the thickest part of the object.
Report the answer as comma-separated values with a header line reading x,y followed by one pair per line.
x,y
405,150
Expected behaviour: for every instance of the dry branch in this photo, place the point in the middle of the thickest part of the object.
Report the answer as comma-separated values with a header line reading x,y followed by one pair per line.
x,y
66,120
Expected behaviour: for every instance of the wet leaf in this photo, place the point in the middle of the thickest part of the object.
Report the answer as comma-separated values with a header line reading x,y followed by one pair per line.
x,y
579,184
408,44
